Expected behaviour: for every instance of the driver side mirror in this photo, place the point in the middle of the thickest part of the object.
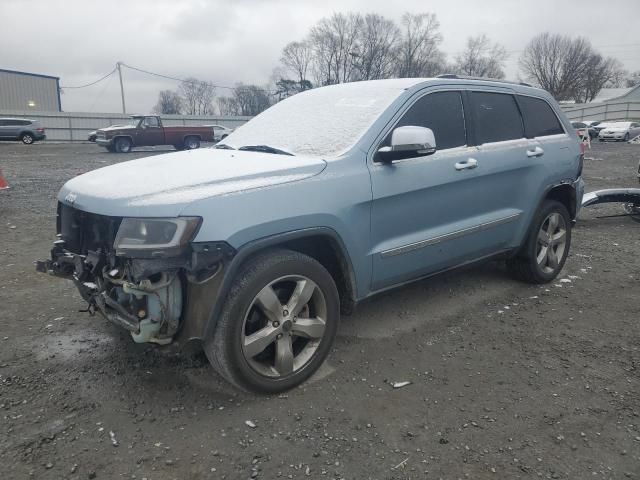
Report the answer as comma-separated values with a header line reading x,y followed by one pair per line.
x,y
408,142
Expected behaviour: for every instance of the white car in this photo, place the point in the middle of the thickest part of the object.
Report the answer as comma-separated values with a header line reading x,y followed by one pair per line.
x,y
619,131
220,132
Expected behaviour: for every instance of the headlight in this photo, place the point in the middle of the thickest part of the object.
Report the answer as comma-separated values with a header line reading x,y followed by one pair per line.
x,y
144,234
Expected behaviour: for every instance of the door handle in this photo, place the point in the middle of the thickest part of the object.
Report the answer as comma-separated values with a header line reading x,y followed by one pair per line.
x,y
470,163
536,152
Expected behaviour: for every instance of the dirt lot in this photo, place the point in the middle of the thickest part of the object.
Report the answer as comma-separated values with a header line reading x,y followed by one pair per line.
x,y
508,380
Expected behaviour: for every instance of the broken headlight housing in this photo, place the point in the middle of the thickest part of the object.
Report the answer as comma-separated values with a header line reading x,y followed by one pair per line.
x,y
155,237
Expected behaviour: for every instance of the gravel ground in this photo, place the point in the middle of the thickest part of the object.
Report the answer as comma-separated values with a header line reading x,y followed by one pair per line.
x,y
508,380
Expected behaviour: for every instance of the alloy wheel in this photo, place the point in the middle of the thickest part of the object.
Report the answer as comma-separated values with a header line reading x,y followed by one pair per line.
x,y
551,243
284,326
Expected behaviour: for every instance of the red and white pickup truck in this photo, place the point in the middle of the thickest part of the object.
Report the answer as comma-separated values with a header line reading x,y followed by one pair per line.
x,y
148,130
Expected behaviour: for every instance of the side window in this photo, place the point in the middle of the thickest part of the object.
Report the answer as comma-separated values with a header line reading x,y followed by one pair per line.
x,y
3,123
496,116
151,122
443,113
24,122
539,118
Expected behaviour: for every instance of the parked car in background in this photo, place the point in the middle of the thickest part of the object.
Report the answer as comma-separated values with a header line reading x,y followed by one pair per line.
x,y
147,131
94,134
581,129
220,132
619,131
592,128
255,247
22,129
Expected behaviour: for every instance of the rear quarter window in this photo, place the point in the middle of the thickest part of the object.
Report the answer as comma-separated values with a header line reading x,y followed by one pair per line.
x,y
496,116
539,118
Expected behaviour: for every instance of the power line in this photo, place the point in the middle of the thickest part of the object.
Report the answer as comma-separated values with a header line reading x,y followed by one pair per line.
x,y
170,77
93,83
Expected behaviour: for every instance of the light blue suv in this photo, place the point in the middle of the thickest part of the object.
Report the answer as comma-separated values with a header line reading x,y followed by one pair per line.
x,y
255,247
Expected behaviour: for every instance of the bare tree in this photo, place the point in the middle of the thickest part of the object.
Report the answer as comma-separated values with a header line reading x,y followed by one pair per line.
x,y
251,99
374,54
228,106
600,72
333,41
197,96
481,58
188,90
419,54
632,79
206,92
568,68
297,56
169,103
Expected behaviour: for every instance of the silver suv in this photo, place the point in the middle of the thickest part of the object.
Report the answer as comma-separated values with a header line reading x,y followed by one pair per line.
x,y
253,248
22,129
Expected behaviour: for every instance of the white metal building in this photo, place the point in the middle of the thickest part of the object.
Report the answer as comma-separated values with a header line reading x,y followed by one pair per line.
x,y
29,92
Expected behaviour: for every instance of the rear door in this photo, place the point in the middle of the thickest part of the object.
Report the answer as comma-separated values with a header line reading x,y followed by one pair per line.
x,y
510,169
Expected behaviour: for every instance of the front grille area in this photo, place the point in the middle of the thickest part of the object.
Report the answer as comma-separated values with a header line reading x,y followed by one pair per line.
x,y
84,231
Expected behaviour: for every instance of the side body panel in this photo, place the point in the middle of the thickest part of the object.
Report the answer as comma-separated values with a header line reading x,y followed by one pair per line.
x,y
339,198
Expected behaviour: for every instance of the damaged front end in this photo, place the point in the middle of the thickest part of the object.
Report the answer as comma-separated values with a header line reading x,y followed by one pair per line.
x,y
137,272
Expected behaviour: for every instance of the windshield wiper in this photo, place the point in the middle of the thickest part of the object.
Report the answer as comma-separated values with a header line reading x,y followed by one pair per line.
x,y
223,146
265,149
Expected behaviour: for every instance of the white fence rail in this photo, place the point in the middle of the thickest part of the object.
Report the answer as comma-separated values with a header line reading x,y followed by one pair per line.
x,y
603,111
73,126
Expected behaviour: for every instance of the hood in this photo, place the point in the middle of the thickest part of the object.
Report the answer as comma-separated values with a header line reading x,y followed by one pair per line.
x,y
163,185
615,129
116,127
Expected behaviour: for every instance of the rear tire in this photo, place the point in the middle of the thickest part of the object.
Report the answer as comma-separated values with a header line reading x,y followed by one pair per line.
x,y
546,247
123,145
27,138
191,143
277,324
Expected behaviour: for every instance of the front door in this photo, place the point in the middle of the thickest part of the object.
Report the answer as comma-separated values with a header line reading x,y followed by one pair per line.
x,y
434,212
149,132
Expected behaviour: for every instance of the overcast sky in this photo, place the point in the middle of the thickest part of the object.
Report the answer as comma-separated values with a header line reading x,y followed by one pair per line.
x,y
230,41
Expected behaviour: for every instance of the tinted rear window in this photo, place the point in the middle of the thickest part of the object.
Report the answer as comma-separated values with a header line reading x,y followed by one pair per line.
x,y
497,117
540,119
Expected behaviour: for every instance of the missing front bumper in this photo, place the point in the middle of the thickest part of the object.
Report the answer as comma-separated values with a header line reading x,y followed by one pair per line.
x,y
148,297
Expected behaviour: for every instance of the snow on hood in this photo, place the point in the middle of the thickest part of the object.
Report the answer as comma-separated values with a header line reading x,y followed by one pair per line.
x,y
163,185
617,127
116,127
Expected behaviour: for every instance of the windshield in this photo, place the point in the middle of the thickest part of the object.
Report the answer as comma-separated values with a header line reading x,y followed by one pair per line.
x,y
321,122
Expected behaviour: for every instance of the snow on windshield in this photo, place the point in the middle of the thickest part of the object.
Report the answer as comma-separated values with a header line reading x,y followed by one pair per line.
x,y
321,122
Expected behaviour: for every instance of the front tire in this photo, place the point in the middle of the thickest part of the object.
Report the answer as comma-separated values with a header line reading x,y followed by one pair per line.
x,y
191,143
545,250
123,145
278,323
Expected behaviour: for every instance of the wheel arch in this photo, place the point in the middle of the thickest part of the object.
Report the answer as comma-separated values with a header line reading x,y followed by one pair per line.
x,y
565,193
321,243
196,135
116,137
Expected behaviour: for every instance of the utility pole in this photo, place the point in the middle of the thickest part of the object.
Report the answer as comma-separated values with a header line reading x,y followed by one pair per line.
x,y
119,67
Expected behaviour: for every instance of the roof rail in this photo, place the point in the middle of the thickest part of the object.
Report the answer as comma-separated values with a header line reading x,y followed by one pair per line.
x,y
466,77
